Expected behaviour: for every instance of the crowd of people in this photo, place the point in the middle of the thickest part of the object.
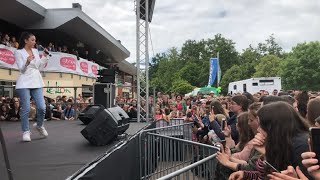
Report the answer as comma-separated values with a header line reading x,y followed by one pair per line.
x,y
12,41
253,129
60,108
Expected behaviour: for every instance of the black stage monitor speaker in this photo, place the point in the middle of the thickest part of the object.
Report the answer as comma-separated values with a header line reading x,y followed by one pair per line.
x,y
102,130
121,117
107,72
90,112
104,94
107,79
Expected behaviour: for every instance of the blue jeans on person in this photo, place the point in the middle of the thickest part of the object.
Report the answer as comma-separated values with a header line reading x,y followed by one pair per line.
x,y
37,95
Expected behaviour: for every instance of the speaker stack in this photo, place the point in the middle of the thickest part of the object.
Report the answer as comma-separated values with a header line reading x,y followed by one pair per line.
x,y
104,94
121,117
103,125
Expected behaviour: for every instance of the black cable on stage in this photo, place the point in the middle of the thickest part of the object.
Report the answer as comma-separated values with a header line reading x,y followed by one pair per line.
x,y
5,155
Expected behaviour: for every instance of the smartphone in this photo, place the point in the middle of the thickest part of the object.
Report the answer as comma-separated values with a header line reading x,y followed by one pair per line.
x,y
315,141
224,142
223,124
270,166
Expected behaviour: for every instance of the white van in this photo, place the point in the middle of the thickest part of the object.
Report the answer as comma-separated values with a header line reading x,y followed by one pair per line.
x,y
255,85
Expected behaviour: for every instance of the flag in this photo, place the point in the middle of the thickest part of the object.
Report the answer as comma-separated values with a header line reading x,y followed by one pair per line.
x,y
213,70
219,72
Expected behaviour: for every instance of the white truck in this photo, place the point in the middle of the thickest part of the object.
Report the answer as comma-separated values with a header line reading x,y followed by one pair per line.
x,y
254,85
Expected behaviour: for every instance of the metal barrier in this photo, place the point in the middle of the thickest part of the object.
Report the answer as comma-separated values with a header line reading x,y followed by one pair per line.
x,y
168,152
175,127
204,164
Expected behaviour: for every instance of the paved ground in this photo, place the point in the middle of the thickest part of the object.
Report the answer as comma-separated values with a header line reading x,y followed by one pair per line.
x,y
57,157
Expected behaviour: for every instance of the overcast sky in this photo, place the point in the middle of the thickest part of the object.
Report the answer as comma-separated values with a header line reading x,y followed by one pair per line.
x,y
175,21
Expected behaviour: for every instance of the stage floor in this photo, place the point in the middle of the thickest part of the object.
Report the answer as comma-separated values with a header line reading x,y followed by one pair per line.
x,y
60,155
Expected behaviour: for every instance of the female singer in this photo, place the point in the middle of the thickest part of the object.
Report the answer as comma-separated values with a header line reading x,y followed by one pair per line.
x,y
30,82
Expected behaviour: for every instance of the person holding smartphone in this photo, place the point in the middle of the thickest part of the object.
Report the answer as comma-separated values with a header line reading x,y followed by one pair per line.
x,y
30,83
310,161
283,135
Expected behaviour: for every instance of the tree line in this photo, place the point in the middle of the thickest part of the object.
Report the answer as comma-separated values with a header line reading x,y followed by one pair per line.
x,y
181,70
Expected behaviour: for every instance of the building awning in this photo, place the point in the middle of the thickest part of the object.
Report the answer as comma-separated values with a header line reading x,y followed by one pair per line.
x,y
76,23
128,68
72,21
21,12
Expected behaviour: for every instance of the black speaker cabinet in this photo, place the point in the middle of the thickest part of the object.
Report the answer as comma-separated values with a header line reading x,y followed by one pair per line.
x,y
104,94
90,112
121,117
107,79
102,130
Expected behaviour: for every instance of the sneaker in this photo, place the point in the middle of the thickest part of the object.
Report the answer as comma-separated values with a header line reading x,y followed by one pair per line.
x,y
43,132
26,136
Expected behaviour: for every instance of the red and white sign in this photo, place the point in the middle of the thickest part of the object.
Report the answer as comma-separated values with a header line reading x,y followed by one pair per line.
x,y
68,62
7,56
84,66
58,62
94,69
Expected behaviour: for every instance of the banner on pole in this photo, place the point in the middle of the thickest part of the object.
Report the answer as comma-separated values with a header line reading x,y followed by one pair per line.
x,y
213,70
219,72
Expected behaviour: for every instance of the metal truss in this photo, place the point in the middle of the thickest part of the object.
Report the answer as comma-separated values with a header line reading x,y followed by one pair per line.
x,y
142,61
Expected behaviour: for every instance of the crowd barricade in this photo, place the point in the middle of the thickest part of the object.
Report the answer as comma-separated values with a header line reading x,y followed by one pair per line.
x,y
167,152
175,127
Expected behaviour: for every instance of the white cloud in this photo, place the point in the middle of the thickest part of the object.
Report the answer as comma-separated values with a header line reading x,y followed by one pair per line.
x,y
174,21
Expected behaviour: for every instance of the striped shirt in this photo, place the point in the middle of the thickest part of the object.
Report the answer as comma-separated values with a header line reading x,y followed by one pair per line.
x,y
259,173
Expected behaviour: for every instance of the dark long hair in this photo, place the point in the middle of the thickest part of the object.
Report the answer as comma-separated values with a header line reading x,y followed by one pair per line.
x,y
270,99
7,108
282,123
303,99
313,111
249,96
245,132
242,101
24,36
254,107
217,108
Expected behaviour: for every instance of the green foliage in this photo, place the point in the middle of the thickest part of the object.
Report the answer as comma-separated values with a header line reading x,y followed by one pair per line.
x,y
181,70
181,86
227,53
270,47
192,62
232,74
250,55
269,66
300,70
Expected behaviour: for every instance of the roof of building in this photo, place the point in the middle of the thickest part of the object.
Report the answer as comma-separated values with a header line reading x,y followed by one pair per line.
x,y
72,21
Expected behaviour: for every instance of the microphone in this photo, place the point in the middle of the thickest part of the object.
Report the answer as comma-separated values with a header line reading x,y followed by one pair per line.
x,y
45,51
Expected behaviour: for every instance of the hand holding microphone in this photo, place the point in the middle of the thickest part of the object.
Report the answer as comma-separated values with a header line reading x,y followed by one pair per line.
x,y
46,52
